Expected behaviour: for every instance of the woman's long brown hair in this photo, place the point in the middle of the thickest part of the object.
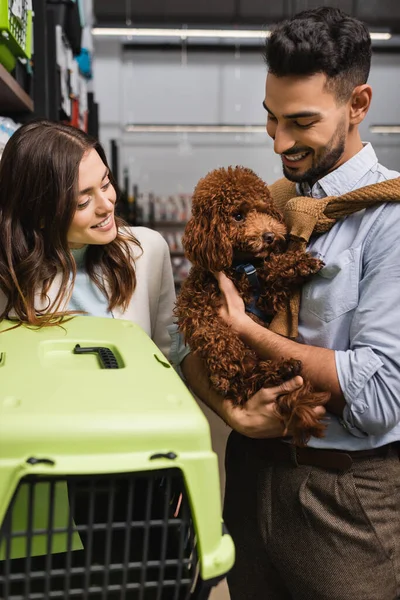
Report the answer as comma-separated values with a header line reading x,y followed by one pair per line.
x,y
38,197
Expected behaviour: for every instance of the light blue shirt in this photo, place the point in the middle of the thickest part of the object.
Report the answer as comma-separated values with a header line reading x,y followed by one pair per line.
x,y
352,306
86,296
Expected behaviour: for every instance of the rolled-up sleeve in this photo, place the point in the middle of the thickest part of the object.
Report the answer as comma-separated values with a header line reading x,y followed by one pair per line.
x,y
369,372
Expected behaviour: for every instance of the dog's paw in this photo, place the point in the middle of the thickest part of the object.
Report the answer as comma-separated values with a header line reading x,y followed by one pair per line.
x,y
289,369
221,384
313,265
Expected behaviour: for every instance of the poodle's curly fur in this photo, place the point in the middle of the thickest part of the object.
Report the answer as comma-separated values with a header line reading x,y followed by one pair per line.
x,y
233,218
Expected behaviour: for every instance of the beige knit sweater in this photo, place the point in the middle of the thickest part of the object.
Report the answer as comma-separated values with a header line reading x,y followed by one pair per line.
x,y
306,216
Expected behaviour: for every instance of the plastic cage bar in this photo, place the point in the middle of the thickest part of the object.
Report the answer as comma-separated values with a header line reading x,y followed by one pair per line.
x,y
125,536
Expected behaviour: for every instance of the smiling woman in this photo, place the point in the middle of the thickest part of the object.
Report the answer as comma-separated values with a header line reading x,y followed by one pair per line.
x,y
94,216
63,250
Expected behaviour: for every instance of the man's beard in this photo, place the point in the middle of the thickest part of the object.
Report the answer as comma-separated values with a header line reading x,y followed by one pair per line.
x,y
324,162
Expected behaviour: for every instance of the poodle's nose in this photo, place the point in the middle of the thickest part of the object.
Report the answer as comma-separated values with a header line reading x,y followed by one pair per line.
x,y
268,237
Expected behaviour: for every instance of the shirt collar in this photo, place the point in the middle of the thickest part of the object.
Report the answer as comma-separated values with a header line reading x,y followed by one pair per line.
x,y
343,179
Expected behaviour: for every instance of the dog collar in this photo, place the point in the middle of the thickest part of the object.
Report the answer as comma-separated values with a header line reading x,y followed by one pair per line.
x,y
251,273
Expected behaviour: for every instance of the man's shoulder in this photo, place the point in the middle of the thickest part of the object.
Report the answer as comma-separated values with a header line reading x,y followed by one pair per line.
x,y
386,174
380,223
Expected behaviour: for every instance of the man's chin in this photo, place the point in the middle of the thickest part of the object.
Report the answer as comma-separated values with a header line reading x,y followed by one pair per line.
x,y
294,175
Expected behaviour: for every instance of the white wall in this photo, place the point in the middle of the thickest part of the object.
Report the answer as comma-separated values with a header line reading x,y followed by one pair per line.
x,y
150,87
385,108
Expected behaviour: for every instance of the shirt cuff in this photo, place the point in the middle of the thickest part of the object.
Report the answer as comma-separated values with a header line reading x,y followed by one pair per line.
x,y
179,350
355,368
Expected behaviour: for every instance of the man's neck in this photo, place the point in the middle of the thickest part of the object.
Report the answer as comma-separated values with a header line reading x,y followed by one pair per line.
x,y
354,146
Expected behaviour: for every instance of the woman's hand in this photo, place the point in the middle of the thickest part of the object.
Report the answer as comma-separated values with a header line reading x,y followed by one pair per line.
x,y
258,417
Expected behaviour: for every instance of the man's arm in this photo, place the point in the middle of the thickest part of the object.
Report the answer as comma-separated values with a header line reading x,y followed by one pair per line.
x,y
319,365
257,418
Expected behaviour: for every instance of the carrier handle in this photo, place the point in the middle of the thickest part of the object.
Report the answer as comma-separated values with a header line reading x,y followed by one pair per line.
x,y
106,356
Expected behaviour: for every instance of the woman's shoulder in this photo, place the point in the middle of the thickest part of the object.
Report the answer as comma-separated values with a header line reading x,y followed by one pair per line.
x,y
150,240
145,233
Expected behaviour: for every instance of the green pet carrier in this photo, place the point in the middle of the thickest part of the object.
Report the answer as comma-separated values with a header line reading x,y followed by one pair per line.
x,y
109,488
15,31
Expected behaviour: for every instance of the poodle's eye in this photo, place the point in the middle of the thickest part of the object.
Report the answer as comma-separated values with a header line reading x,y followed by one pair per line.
x,y
238,217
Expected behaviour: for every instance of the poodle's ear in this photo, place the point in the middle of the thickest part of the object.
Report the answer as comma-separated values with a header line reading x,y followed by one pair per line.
x,y
206,243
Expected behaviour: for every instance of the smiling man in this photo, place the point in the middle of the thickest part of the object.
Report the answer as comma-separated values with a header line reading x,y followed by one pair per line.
x,y
316,102
323,522
311,142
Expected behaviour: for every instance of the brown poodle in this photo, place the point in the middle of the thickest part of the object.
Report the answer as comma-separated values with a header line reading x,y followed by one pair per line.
x,y
235,228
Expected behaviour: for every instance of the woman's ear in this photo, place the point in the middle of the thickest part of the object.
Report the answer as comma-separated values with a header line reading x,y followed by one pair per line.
x,y
359,103
206,243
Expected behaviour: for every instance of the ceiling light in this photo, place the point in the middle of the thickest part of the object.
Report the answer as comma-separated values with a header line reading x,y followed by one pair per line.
x,y
184,33
380,35
384,128
130,128
179,33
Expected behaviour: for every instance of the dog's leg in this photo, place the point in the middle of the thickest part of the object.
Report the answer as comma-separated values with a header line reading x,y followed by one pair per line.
x,y
297,413
292,267
283,275
296,409
230,364
221,349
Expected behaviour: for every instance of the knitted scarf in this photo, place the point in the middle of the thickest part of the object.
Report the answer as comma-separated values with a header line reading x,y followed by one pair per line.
x,y
306,216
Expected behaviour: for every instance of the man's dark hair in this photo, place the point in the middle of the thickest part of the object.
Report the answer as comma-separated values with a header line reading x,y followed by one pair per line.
x,y
323,40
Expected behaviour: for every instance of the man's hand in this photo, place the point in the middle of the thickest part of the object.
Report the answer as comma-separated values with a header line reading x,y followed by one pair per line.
x,y
258,417
232,310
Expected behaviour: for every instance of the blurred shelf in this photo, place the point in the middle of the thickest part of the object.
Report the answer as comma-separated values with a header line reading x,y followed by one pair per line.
x,y
13,99
169,224
177,254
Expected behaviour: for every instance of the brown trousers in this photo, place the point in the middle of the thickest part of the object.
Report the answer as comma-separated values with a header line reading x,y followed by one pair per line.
x,y
307,533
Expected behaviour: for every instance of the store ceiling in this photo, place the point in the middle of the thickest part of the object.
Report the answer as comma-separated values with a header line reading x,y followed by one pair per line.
x,y
378,14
